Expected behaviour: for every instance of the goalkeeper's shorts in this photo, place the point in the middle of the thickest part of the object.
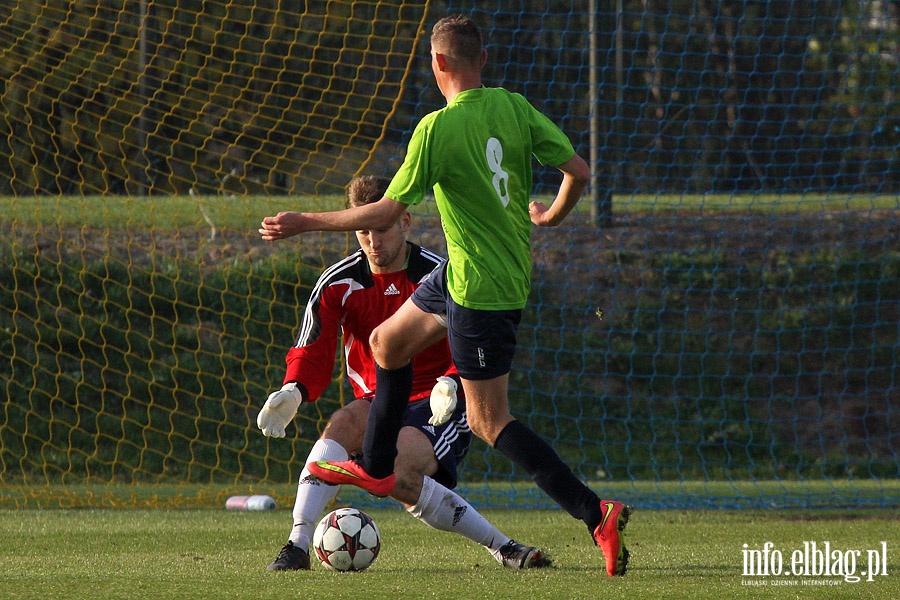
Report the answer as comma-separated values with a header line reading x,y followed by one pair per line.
x,y
450,441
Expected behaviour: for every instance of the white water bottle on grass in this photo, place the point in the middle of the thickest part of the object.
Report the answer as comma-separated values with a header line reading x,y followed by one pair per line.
x,y
255,502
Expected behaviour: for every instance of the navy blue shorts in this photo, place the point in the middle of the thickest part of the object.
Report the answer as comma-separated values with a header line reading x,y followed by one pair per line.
x,y
450,441
482,342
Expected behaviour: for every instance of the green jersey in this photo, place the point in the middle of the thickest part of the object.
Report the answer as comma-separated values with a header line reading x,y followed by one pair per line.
x,y
476,155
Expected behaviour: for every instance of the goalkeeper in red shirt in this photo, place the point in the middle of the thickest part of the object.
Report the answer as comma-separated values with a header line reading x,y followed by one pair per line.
x,y
349,300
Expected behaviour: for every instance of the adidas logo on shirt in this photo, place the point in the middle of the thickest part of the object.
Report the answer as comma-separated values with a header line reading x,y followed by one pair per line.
x,y
392,291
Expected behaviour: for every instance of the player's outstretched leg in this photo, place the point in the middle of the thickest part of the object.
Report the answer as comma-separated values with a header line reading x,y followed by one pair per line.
x,y
605,519
610,536
291,558
344,472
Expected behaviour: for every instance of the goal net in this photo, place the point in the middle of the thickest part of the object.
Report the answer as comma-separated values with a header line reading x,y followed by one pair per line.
x,y
715,325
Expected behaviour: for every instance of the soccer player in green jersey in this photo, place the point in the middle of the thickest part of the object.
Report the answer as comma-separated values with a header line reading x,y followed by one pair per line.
x,y
475,154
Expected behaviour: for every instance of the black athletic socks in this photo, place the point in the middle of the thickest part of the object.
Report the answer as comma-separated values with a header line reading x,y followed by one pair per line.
x,y
392,390
527,450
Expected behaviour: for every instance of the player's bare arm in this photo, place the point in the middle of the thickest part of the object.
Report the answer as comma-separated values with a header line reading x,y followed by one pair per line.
x,y
377,215
576,175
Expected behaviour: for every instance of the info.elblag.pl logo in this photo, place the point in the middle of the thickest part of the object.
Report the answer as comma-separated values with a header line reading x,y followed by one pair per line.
x,y
812,563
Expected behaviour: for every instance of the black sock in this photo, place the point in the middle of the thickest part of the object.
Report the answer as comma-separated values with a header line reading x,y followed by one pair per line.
x,y
392,390
526,449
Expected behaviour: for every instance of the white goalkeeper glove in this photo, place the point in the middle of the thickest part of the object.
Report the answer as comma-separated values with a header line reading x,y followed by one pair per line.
x,y
443,400
279,410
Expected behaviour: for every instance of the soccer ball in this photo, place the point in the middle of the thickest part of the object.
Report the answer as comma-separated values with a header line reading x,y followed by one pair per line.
x,y
347,539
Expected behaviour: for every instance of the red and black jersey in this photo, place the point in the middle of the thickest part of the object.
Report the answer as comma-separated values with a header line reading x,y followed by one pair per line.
x,y
349,300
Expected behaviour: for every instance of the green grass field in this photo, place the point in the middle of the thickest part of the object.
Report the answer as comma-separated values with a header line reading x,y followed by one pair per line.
x,y
209,553
245,212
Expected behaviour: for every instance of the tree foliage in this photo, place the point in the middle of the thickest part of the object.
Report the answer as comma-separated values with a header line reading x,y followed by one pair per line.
x,y
164,96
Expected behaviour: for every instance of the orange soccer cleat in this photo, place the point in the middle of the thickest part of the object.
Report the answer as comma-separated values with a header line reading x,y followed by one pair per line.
x,y
610,537
343,472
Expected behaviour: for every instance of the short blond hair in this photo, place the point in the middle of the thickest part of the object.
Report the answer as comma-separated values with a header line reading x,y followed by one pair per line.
x,y
366,189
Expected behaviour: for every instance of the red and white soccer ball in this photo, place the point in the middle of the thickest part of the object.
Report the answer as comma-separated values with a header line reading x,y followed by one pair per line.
x,y
347,539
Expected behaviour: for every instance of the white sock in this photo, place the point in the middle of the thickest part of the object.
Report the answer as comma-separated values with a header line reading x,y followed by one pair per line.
x,y
446,510
313,495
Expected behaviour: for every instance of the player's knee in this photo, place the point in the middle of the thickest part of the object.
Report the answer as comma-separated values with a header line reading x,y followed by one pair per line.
x,y
345,428
385,356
